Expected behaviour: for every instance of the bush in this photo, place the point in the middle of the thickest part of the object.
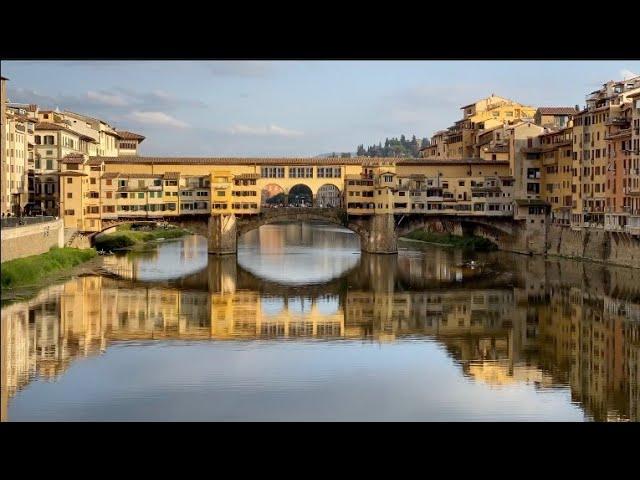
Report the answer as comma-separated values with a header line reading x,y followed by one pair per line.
x,y
28,270
113,241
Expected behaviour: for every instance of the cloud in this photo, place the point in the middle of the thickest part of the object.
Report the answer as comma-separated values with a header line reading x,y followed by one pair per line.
x,y
105,98
625,74
272,130
155,118
117,100
239,68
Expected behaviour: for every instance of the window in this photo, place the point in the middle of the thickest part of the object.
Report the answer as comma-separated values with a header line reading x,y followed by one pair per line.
x,y
272,172
69,180
329,172
140,194
220,193
38,140
69,212
108,194
49,164
69,195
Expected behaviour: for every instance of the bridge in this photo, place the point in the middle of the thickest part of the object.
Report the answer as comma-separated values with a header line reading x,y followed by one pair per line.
x,y
378,233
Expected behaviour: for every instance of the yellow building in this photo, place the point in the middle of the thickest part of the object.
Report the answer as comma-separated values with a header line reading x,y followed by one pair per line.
x,y
455,187
128,143
17,146
557,162
591,150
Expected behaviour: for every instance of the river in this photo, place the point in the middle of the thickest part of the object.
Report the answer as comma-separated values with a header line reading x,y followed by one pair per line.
x,y
302,326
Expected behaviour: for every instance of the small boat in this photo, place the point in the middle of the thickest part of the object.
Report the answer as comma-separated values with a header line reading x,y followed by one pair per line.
x,y
471,264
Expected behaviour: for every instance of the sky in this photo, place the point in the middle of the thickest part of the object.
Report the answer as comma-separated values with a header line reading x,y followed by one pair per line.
x,y
292,108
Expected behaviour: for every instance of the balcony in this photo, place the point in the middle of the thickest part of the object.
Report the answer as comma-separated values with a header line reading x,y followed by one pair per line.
x,y
618,121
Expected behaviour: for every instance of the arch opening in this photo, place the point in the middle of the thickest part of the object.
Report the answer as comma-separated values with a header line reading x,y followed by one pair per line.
x,y
273,195
300,195
329,196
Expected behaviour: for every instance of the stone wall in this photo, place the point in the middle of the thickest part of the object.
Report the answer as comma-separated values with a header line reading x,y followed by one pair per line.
x,y
30,240
615,248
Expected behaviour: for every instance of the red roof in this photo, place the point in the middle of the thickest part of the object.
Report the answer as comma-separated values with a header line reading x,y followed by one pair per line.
x,y
129,135
557,110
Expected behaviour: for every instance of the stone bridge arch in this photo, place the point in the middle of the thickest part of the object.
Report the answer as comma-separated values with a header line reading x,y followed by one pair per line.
x,y
198,224
503,233
376,232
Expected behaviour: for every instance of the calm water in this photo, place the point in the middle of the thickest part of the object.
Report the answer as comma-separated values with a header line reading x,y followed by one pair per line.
x,y
302,326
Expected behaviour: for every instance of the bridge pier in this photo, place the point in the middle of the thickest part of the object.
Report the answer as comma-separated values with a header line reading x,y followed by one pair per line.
x,y
222,235
379,236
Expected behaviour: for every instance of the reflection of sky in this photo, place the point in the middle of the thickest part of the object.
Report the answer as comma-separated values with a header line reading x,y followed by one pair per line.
x,y
298,253
406,380
174,259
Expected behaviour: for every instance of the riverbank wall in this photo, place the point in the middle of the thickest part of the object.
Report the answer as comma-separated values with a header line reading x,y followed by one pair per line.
x,y
28,240
615,248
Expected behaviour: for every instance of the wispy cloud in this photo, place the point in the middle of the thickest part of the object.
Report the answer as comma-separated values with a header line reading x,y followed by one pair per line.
x,y
239,68
272,130
155,118
106,98
625,74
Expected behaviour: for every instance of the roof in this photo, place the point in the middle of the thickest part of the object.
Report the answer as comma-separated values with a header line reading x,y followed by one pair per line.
x,y
557,110
249,176
240,161
73,158
131,175
124,135
94,161
445,162
81,116
69,173
53,126
523,202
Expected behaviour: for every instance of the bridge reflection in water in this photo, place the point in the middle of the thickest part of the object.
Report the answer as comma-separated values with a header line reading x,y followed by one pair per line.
x,y
551,323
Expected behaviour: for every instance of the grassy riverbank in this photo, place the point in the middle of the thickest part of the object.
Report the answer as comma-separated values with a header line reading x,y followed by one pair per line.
x,y
124,237
446,239
31,270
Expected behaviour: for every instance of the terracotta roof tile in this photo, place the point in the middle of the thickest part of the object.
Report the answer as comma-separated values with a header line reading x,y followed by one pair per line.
x,y
73,158
69,173
557,110
239,161
123,134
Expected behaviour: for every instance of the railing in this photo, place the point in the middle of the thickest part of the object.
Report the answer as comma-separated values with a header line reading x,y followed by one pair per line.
x,y
13,222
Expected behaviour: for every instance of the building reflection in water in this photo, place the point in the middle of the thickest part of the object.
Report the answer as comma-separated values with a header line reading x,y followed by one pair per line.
x,y
551,323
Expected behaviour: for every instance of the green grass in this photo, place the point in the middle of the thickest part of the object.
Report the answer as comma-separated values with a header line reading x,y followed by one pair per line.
x,y
30,270
469,242
125,237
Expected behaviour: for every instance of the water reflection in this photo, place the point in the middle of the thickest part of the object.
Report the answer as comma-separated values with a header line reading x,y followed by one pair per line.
x,y
553,324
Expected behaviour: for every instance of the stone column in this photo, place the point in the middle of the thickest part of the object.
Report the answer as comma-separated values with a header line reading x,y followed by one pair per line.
x,y
222,234
222,274
380,235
